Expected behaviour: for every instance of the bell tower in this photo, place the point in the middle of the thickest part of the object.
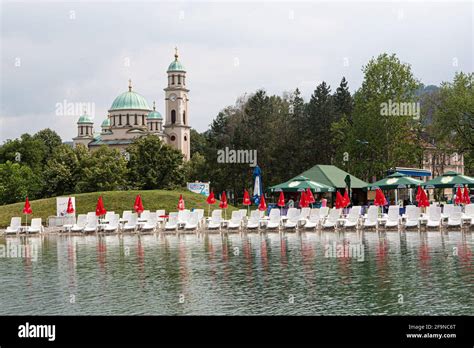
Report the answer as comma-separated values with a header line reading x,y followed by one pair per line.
x,y
176,125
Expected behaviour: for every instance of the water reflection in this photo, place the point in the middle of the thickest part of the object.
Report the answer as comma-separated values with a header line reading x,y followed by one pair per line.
x,y
141,262
101,253
248,257
71,263
424,255
283,251
307,255
241,274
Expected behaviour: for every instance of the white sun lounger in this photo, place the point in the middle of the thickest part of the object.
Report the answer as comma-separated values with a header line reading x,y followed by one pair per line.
x,y
80,223
313,220
412,216
371,219
305,213
331,221
434,216
145,215
293,216
455,219
91,224
200,213
113,224
323,214
15,225
274,219
353,218
469,214
216,220
108,216
183,216
160,220
235,222
193,221
150,224
172,223
393,218
448,209
126,216
36,226
253,223
131,224
243,213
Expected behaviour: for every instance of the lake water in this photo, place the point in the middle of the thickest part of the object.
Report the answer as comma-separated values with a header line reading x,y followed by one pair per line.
x,y
370,273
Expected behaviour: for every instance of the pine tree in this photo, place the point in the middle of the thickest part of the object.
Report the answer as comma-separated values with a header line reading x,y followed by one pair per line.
x,y
320,115
343,102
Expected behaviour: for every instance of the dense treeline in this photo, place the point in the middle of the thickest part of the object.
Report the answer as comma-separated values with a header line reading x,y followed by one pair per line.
x,y
352,131
41,166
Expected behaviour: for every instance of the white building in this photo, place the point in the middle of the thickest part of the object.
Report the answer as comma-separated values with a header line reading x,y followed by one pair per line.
x,y
130,116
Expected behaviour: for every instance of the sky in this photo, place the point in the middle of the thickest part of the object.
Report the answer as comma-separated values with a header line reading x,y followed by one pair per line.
x,y
62,52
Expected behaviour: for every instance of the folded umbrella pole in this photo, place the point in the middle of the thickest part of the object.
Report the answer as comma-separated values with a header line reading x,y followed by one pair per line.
x,y
181,202
210,200
27,211
247,201
281,200
138,206
223,204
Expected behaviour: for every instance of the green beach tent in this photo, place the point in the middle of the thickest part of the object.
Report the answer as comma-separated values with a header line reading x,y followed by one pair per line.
x,y
301,183
333,176
449,179
395,181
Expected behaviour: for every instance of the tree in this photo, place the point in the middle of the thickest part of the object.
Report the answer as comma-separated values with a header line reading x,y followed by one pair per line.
x,y
343,103
454,116
50,139
154,165
104,170
195,168
25,150
376,142
288,139
16,182
198,143
62,172
320,115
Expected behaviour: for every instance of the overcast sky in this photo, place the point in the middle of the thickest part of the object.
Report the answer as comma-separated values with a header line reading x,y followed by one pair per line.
x,y
78,52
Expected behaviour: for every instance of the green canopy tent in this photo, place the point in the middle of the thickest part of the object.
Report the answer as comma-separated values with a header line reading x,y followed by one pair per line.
x,y
395,182
449,179
301,183
333,176
322,174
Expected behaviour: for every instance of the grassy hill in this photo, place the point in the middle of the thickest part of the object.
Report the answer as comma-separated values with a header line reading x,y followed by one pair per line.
x,y
117,201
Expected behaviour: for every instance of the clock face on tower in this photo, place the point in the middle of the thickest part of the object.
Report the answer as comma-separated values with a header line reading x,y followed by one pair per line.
x,y
173,97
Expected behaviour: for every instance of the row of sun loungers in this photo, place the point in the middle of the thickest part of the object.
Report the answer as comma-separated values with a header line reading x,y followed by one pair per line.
x,y
303,219
16,227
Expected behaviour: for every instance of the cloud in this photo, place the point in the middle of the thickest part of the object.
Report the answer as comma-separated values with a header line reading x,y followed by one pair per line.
x,y
78,51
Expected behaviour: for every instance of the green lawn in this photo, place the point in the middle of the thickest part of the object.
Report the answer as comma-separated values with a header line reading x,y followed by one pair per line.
x,y
117,201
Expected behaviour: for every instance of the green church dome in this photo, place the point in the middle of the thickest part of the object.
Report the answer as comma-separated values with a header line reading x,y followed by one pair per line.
x,y
130,100
154,114
176,64
85,119
106,123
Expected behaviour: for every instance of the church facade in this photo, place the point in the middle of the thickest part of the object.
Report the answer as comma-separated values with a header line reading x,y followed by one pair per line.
x,y
130,116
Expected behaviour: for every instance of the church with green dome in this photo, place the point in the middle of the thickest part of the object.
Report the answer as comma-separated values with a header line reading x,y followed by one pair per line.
x,y
130,116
